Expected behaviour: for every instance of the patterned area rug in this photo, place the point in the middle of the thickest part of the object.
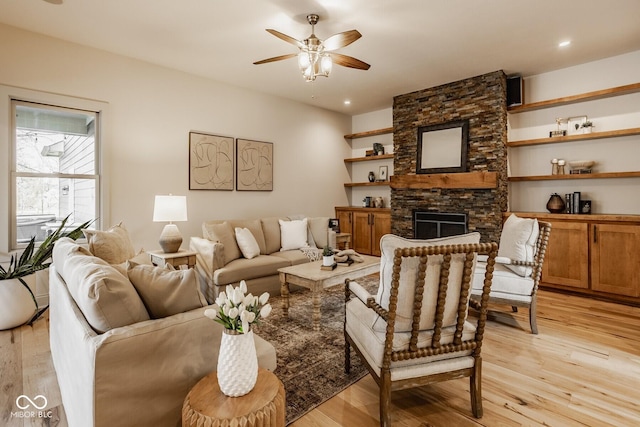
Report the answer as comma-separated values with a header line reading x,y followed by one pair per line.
x,y
311,364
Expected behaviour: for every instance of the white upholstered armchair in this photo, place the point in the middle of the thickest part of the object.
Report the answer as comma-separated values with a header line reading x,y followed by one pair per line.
x,y
416,330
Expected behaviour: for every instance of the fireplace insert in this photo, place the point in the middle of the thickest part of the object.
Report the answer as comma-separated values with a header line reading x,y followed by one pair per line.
x,y
430,225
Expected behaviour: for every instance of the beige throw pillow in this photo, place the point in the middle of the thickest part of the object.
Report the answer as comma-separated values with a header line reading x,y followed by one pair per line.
x,y
106,298
247,243
518,242
166,292
223,233
113,245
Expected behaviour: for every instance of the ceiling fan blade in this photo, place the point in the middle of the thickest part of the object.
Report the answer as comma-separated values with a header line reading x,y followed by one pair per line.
x,y
276,58
339,40
348,61
286,38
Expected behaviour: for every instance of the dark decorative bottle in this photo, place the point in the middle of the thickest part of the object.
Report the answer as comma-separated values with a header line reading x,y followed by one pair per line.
x,y
372,176
556,204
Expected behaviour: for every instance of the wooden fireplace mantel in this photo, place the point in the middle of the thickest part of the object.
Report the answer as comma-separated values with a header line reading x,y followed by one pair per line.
x,y
445,180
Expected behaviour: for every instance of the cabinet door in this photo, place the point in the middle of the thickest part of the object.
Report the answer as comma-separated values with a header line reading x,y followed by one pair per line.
x,y
615,267
566,261
344,217
361,238
381,226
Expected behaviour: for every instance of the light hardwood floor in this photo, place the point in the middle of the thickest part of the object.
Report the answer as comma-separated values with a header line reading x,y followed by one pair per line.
x,y
582,369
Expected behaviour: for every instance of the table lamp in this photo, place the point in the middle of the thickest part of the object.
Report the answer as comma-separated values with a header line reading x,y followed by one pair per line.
x,y
169,209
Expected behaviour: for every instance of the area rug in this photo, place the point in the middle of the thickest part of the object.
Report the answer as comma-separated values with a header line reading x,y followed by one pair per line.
x,y
311,364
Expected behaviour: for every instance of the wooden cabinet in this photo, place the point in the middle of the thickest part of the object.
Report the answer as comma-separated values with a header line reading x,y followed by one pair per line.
x,y
366,225
593,254
615,259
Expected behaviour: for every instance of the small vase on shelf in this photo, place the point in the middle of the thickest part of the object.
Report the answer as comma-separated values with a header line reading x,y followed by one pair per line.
x,y
372,176
555,204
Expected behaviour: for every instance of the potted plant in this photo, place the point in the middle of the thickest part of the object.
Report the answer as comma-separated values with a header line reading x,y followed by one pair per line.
x,y
18,304
327,256
587,126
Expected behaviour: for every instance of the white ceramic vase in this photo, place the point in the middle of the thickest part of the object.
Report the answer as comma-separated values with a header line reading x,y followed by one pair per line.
x,y
16,304
237,363
327,261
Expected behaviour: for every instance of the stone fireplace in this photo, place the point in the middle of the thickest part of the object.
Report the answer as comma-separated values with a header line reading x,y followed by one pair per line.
x,y
481,193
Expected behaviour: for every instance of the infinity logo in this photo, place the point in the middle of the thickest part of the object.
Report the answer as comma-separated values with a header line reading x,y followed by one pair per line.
x,y
22,398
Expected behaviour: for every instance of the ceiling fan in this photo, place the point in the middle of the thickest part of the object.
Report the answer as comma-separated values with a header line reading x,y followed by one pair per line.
x,y
316,56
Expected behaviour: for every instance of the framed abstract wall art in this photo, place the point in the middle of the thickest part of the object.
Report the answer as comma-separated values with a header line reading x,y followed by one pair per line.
x,y
254,165
210,162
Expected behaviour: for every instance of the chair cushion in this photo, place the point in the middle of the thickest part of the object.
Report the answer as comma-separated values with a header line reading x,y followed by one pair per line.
x,y
505,284
222,232
247,243
371,342
518,242
113,245
404,310
246,269
166,292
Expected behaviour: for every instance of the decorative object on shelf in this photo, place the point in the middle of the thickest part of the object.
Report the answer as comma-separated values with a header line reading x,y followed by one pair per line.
x,y
561,170
369,153
568,201
334,224
169,209
18,304
327,256
575,202
554,167
383,173
587,126
372,176
580,166
555,204
366,202
254,165
378,148
585,207
558,131
210,162
574,125
378,202
237,360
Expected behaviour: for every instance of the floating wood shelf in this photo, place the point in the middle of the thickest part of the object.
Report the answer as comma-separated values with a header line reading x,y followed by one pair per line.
x,y
570,138
369,158
369,133
575,176
367,184
589,96
480,180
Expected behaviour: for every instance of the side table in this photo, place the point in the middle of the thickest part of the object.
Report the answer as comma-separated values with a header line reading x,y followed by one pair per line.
x,y
343,239
264,406
176,259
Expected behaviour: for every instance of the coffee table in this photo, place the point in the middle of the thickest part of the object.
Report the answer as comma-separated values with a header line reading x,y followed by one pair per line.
x,y
310,276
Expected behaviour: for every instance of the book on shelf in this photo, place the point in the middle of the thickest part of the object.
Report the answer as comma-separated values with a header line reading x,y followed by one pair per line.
x,y
579,171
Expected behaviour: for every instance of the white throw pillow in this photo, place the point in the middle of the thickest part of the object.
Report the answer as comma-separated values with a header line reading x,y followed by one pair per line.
x,y
518,242
166,292
293,234
247,243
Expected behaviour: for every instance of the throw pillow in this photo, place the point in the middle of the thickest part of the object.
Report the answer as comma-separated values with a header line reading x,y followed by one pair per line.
x,y
113,245
166,292
319,228
64,248
404,310
518,242
247,243
293,234
106,298
223,233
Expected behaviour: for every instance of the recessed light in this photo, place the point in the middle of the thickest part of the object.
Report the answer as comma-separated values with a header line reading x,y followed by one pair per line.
x,y
564,43
347,102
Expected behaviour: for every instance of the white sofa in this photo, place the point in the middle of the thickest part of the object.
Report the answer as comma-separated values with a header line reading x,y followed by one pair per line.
x,y
220,261
130,375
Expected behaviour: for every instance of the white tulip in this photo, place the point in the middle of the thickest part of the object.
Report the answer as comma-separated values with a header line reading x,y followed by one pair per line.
x,y
222,298
251,316
248,300
225,310
265,311
264,298
243,286
211,313
233,313
229,291
237,296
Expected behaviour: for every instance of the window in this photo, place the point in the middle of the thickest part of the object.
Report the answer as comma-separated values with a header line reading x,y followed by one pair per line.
x,y
55,171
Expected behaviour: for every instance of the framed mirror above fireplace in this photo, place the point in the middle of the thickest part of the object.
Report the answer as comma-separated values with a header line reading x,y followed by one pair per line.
x,y
442,148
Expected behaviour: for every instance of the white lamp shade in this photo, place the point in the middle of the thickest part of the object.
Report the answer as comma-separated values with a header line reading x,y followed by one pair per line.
x,y
170,208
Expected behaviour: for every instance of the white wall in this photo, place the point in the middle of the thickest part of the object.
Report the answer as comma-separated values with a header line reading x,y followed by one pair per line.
x,y
609,196
145,147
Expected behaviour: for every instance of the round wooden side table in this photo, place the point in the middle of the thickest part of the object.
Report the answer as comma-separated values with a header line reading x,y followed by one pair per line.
x,y
261,407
